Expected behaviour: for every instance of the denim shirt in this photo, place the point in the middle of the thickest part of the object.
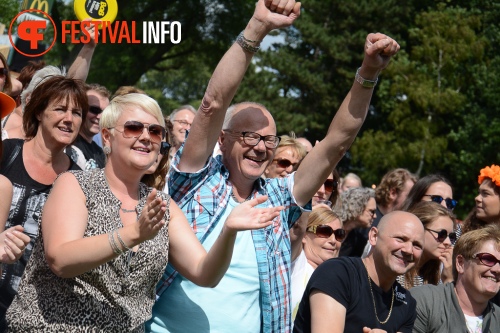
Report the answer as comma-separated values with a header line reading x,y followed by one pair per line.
x,y
203,197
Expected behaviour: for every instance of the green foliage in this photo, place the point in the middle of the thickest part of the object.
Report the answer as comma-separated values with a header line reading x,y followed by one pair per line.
x,y
8,10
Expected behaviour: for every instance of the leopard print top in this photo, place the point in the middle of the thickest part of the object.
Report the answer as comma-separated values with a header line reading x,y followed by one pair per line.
x,y
115,297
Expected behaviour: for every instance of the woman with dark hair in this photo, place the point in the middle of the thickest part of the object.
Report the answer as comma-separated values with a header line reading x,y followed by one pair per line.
x,y
51,121
5,80
439,224
487,208
434,188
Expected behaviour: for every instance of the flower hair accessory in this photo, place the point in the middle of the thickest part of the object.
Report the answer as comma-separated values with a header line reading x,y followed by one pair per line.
x,y
492,172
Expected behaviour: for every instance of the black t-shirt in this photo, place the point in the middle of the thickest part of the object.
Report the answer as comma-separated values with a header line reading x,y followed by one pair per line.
x,y
28,199
93,154
345,279
354,244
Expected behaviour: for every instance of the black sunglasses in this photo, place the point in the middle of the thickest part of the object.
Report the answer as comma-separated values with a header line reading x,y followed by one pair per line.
x,y
284,163
4,72
325,231
164,148
95,110
443,234
450,203
330,185
486,259
134,129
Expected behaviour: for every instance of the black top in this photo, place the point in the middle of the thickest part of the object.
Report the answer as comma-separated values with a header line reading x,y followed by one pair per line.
x,y
28,199
346,280
93,154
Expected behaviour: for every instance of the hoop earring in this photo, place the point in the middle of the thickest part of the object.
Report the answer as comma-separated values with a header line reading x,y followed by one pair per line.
x,y
106,150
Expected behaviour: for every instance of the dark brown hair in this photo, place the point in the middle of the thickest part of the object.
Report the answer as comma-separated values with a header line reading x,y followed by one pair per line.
x,y
8,83
158,178
26,74
52,90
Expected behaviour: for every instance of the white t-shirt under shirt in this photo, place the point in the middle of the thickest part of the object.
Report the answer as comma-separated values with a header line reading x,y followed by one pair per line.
x,y
474,324
301,272
208,309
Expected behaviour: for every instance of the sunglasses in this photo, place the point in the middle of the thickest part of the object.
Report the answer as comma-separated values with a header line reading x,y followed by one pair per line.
x,y
450,203
164,147
95,110
134,129
325,231
330,185
443,234
486,259
4,72
284,163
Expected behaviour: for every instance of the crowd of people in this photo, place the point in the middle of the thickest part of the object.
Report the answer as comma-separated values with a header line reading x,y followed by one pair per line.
x,y
116,218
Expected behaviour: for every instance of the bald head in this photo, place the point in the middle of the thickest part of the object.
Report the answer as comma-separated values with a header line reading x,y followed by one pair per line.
x,y
396,218
306,143
248,116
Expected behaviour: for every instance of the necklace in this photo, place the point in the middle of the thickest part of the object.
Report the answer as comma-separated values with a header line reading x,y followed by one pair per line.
x,y
373,299
128,210
238,201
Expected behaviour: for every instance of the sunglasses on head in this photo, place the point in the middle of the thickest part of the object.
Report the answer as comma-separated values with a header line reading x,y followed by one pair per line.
x,y
134,129
325,231
4,72
95,110
330,185
284,163
450,203
486,259
443,234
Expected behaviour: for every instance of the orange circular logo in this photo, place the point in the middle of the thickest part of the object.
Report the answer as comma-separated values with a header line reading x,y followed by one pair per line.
x,y
30,30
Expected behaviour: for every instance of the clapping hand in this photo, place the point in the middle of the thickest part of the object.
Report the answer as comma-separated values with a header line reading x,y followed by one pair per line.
x,y
248,217
152,217
13,242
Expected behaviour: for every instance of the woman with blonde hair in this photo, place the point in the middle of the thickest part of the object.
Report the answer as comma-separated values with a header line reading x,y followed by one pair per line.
x,y
435,265
287,157
322,241
106,238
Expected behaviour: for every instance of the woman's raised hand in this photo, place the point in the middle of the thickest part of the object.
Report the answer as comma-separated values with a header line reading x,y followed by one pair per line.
x,y
152,217
247,216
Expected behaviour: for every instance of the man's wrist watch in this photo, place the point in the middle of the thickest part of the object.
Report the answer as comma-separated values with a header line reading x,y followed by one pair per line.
x,y
364,82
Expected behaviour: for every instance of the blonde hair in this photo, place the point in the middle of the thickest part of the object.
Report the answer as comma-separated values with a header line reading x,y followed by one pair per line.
x,y
322,215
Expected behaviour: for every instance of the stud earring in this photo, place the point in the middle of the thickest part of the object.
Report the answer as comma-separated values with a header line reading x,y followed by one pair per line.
x,y
106,150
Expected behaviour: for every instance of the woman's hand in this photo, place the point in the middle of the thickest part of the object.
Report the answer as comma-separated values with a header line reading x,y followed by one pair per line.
x,y
248,217
152,217
12,244
447,260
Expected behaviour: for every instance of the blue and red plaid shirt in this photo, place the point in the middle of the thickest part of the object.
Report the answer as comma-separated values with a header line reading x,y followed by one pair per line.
x,y
203,197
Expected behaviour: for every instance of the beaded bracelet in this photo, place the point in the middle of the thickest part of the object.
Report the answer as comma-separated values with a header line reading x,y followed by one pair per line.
x,y
244,43
122,242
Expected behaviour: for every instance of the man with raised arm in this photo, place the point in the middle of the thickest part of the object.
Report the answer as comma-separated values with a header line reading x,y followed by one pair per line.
x,y
254,295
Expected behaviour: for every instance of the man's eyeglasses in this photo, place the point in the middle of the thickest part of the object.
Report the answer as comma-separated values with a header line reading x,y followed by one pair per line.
x,y
325,231
95,110
443,234
4,72
330,185
253,139
183,123
486,259
284,163
134,129
450,203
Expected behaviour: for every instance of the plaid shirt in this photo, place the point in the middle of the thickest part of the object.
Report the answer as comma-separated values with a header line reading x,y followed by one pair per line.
x,y
204,196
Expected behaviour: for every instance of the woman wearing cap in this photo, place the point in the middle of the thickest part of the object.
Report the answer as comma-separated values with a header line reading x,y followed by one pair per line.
x,y
435,264
106,238
51,121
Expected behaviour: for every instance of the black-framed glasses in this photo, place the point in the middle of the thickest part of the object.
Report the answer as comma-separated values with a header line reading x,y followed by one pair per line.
x,y
164,147
486,259
4,72
442,234
284,163
325,231
95,110
330,185
134,129
253,139
183,123
450,203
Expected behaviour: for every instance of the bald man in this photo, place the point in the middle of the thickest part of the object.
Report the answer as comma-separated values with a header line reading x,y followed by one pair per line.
x,y
350,294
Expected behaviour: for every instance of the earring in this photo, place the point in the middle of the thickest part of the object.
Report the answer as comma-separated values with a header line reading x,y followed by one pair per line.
x,y
106,150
